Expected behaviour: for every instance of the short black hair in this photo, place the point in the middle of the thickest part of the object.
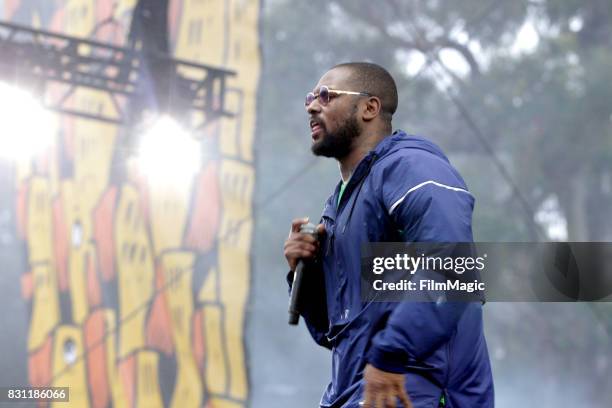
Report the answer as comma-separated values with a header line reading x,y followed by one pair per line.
x,y
375,80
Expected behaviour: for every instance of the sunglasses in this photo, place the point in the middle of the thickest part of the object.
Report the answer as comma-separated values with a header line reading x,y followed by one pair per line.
x,y
325,95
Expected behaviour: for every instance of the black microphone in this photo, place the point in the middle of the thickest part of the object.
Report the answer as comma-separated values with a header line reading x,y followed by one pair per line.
x,y
298,277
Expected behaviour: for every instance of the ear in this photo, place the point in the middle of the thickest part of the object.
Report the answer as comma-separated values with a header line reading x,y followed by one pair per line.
x,y
372,108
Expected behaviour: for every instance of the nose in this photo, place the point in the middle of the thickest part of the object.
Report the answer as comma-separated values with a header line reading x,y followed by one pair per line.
x,y
314,106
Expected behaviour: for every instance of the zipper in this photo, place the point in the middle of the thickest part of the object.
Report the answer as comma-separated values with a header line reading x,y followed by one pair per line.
x,y
357,191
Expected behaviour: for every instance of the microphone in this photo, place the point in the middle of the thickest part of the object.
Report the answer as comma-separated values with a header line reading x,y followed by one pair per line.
x,y
298,277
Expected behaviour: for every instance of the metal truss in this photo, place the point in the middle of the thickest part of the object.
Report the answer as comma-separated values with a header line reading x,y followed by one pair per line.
x,y
37,58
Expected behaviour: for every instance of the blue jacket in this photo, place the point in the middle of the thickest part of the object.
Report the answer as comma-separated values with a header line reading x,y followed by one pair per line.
x,y
403,190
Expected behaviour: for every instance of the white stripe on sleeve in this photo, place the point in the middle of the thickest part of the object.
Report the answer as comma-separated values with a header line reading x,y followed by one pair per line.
x,y
398,202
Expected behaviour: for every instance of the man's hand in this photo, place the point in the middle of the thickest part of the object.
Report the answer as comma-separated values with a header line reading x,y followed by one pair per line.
x,y
301,246
382,389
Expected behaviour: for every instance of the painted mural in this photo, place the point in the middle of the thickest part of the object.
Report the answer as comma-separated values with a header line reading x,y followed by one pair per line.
x,y
138,293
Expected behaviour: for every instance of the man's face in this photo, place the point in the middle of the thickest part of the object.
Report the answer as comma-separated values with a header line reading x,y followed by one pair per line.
x,y
335,126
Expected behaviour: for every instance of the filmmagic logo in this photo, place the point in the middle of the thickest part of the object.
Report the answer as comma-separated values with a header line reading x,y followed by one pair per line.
x,y
411,264
430,285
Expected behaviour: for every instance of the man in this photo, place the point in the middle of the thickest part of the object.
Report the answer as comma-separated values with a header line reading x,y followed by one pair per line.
x,y
394,187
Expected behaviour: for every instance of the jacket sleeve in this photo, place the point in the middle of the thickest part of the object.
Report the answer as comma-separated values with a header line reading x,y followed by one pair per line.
x,y
313,305
440,211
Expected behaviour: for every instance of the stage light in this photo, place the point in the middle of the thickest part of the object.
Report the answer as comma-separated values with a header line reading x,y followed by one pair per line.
x,y
26,127
168,155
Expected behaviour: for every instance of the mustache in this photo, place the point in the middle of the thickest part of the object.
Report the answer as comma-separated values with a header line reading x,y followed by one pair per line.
x,y
315,120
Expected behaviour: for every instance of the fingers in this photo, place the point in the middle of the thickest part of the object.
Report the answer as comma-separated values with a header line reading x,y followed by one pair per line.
x,y
298,245
376,396
299,249
296,235
380,399
403,396
297,223
380,394
304,242
368,397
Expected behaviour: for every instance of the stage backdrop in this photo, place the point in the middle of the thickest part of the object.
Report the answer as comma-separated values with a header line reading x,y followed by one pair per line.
x,y
136,294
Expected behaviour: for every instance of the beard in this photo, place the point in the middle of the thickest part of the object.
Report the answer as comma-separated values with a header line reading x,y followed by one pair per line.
x,y
339,143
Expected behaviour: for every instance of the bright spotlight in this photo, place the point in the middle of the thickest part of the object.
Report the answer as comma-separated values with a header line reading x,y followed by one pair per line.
x,y
26,127
168,154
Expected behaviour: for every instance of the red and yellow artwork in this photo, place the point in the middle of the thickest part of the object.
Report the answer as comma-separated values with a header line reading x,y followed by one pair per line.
x,y
137,292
